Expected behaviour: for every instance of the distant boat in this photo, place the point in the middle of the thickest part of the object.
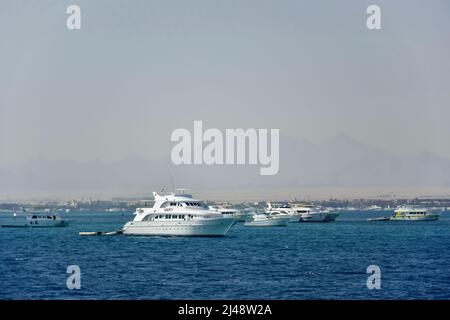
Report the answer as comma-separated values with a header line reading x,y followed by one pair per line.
x,y
36,220
409,214
379,219
263,220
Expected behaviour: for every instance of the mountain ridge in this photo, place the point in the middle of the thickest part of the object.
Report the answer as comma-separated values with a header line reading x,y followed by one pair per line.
x,y
339,162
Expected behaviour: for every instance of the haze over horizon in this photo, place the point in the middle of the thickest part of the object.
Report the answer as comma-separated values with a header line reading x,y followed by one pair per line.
x,y
342,167
93,108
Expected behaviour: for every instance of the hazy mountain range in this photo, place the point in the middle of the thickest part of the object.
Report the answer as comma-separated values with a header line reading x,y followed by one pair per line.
x,y
340,162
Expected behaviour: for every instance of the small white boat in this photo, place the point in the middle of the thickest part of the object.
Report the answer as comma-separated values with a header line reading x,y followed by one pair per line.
x,y
409,214
263,220
379,219
36,220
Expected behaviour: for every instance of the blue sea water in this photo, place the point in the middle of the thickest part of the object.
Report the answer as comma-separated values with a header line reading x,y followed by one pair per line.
x,y
301,261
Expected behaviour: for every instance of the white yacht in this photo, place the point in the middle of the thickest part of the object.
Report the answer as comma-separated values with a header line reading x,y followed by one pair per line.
x,y
178,215
311,214
280,215
285,209
410,214
300,213
263,220
36,220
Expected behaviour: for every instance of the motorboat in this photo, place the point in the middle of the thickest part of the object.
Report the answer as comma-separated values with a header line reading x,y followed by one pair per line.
x,y
303,213
280,215
379,219
307,214
229,211
282,209
178,215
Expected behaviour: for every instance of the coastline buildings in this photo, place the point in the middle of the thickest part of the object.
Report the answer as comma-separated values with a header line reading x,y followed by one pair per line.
x,y
129,204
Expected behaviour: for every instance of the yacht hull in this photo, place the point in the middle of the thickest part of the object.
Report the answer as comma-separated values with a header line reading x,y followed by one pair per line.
x,y
191,228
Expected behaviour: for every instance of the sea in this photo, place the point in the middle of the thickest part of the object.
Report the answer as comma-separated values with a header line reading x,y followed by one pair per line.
x,y
302,261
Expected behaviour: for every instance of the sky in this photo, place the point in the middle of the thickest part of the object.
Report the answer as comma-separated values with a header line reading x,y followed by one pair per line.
x,y
137,70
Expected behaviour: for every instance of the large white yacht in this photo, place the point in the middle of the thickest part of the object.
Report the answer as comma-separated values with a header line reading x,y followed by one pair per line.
x,y
410,214
178,215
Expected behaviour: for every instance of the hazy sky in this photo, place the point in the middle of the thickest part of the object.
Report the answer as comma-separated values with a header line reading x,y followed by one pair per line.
x,y
139,69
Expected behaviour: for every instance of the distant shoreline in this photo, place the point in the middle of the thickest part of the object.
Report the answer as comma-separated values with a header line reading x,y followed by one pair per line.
x,y
250,194
323,193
